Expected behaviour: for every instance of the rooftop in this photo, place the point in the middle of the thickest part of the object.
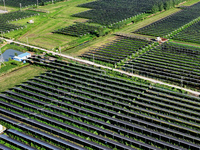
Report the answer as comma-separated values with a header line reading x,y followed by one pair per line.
x,y
24,54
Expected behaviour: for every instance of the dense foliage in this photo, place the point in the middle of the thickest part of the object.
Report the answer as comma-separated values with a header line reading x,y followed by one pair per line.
x,y
171,23
191,34
96,111
171,62
117,50
25,3
108,12
5,26
81,29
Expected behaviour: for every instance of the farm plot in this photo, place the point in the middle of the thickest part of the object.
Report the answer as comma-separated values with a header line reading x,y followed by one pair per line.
x,y
171,23
116,51
169,62
110,12
80,29
5,26
96,111
191,34
24,3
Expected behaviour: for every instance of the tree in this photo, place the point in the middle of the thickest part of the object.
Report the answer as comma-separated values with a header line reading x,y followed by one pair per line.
x,y
155,8
167,5
16,54
161,6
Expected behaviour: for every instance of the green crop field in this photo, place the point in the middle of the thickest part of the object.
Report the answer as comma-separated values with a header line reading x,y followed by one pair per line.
x,y
40,33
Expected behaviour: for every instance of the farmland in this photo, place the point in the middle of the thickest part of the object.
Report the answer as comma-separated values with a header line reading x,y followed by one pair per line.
x,y
9,80
5,26
93,105
40,33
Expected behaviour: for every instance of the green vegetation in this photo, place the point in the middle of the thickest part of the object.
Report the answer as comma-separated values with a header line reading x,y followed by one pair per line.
x,y
13,46
14,78
40,33
10,66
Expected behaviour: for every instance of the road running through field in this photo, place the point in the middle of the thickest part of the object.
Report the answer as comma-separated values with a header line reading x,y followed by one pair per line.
x,y
105,67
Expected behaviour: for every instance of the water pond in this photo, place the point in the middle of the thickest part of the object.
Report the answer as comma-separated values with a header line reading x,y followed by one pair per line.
x,y
10,53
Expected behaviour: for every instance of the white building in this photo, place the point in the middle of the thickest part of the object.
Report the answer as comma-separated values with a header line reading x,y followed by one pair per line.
x,y
2,129
21,57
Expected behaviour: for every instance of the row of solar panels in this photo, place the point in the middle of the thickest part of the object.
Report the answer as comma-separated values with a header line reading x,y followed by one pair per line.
x,y
54,100
109,79
110,106
39,133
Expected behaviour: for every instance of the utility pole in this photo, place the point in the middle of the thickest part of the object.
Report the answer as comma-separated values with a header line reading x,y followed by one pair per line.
x,y
132,69
181,81
20,5
27,40
93,58
4,5
1,58
60,50
37,3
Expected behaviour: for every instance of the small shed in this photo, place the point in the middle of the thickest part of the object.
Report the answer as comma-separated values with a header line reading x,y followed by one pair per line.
x,y
158,39
31,21
161,40
21,57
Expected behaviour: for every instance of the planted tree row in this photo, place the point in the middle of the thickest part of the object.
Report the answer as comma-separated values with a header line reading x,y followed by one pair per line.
x,y
171,23
170,62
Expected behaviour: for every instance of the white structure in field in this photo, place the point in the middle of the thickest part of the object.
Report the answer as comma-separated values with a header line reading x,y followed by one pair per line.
x,y
21,57
158,39
31,21
3,11
2,129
